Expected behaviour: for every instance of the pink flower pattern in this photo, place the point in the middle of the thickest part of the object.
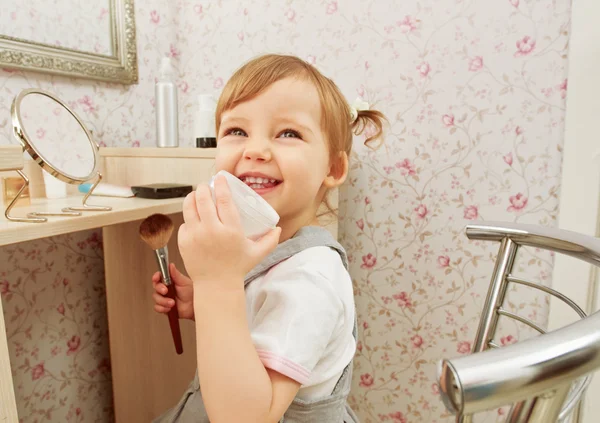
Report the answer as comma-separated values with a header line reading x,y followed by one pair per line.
x,y
407,25
366,380
332,7
174,52
397,417
463,347
368,261
407,168
73,344
448,120
471,212
37,372
563,89
421,211
476,64
507,340
87,103
417,341
517,202
402,299
290,14
424,69
525,46
183,86
443,261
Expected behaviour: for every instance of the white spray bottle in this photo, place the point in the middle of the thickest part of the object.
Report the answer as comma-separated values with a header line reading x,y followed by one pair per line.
x,y
167,125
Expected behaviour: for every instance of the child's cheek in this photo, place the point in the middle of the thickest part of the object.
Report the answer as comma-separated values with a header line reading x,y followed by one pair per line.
x,y
226,159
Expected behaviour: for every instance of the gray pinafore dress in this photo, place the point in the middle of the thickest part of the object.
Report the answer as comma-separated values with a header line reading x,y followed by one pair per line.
x,y
329,409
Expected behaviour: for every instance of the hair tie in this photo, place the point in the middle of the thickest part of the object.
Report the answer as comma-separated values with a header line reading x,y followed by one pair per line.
x,y
358,105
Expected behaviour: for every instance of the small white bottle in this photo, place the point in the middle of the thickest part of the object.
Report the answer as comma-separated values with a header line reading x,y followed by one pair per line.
x,y
54,187
204,130
167,125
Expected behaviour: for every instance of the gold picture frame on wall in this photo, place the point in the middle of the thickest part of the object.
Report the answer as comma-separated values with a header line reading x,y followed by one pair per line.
x,y
117,64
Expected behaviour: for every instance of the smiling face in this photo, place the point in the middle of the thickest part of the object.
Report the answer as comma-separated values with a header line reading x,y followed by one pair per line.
x,y
275,144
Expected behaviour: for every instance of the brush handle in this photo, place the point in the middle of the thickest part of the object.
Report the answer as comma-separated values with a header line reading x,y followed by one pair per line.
x,y
162,258
174,320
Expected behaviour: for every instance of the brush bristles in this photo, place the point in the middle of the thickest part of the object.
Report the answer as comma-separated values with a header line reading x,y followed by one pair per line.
x,y
156,230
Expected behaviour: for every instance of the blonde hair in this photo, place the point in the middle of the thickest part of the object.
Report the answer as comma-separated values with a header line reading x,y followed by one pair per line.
x,y
258,74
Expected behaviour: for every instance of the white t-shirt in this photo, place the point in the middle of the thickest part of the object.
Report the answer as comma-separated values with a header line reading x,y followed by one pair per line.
x,y
301,316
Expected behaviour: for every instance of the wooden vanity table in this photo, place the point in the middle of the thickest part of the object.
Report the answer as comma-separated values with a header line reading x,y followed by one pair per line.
x,y
148,376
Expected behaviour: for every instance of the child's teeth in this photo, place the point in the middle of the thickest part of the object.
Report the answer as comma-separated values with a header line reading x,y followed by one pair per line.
x,y
257,181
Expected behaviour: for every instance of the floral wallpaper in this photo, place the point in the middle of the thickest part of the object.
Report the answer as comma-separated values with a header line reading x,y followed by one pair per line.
x,y
475,96
475,93
55,312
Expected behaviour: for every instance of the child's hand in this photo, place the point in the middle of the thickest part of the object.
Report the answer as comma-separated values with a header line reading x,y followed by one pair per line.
x,y
212,242
184,289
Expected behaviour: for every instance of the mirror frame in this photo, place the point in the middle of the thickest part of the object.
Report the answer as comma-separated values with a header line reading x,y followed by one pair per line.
x,y
121,67
38,157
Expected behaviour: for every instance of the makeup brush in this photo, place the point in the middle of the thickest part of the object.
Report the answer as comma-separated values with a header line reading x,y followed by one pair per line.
x,y
156,231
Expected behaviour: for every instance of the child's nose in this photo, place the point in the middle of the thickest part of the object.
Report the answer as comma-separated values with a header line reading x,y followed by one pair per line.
x,y
258,149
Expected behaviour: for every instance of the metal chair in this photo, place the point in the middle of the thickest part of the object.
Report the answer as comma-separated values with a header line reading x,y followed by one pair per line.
x,y
543,378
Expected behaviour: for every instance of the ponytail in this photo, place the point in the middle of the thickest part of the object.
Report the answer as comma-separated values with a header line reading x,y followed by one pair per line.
x,y
370,119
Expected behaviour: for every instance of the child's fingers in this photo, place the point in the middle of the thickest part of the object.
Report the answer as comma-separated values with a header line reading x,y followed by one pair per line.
x,y
173,270
162,301
175,273
190,212
161,309
156,278
161,289
205,207
226,209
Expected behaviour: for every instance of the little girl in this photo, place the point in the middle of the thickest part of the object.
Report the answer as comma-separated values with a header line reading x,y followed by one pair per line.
x,y
275,318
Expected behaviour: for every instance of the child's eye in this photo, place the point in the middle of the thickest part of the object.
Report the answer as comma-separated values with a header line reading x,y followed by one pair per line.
x,y
290,133
237,132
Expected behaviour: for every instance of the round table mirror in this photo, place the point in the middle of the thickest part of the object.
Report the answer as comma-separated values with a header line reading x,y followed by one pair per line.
x,y
56,138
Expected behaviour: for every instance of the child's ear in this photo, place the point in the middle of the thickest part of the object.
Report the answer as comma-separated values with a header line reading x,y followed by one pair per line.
x,y
338,171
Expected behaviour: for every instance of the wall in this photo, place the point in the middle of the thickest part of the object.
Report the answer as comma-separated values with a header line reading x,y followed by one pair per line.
x,y
581,173
475,95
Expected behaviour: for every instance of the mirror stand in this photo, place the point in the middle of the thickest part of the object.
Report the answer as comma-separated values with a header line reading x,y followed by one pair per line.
x,y
60,213
29,217
89,207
